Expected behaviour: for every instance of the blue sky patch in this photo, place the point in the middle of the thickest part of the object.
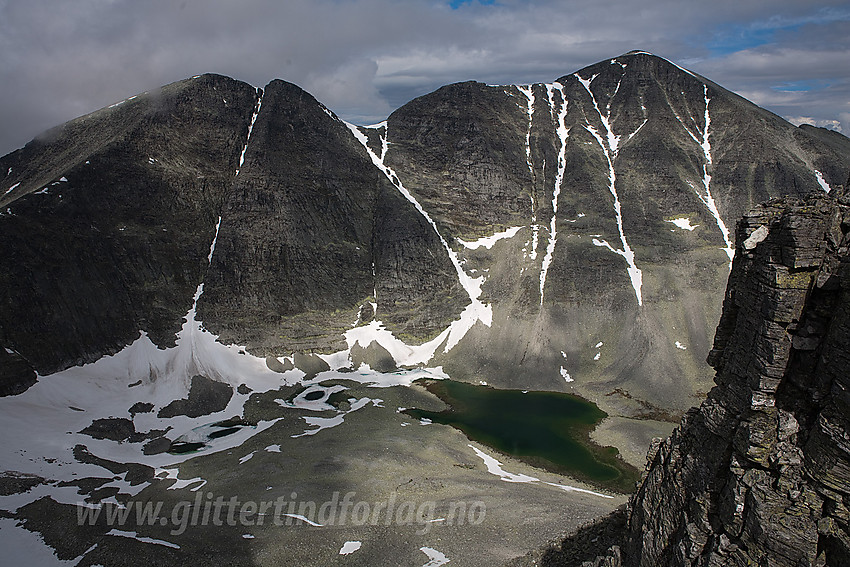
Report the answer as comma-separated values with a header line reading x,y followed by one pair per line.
x,y
802,86
455,4
734,37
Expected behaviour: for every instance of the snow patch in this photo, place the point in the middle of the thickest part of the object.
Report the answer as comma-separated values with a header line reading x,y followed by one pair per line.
x,y
757,236
172,474
529,95
566,375
350,547
246,458
567,488
215,239
436,558
488,241
822,182
305,520
680,346
684,223
528,91
494,467
402,353
137,537
321,423
12,188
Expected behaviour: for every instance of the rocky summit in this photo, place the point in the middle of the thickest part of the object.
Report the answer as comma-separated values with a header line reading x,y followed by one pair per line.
x,y
191,275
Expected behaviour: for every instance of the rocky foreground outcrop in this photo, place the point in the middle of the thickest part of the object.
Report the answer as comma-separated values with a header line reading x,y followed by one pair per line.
x,y
759,474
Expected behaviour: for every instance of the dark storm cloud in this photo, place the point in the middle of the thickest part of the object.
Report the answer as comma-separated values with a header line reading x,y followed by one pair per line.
x,y
363,58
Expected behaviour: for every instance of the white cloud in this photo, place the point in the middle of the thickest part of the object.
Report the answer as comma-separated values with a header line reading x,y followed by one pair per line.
x,y
364,57
844,120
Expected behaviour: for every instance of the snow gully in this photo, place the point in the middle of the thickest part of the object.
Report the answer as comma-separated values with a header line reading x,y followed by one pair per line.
x,y
610,147
705,197
476,310
563,134
528,91
250,129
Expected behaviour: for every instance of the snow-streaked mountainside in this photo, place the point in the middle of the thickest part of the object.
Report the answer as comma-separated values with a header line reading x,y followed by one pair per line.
x,y
167,260
107,223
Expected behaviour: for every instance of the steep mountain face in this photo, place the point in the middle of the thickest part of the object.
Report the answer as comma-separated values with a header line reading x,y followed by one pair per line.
x,y
759,473
110,223
109,219
625,178
602,203
310,232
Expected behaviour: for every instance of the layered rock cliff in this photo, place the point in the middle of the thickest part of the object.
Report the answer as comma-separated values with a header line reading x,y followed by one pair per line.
x,y
759,474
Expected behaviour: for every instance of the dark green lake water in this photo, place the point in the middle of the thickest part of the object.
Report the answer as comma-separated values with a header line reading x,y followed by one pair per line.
x,y
547,429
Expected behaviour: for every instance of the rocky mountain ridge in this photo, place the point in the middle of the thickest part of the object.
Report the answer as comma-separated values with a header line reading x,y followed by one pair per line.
x,y
199,281
602,199
758,474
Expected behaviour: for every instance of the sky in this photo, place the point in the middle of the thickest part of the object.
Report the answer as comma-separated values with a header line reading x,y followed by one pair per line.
x,y
364,58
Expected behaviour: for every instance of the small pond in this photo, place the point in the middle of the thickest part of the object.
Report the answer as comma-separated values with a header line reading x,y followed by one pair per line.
x,y
547,429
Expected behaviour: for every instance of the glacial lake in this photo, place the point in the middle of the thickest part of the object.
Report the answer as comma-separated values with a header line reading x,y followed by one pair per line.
x,y
550,430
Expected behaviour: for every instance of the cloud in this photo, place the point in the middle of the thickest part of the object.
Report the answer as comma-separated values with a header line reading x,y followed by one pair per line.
x,y
844,120
831,124
363,58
